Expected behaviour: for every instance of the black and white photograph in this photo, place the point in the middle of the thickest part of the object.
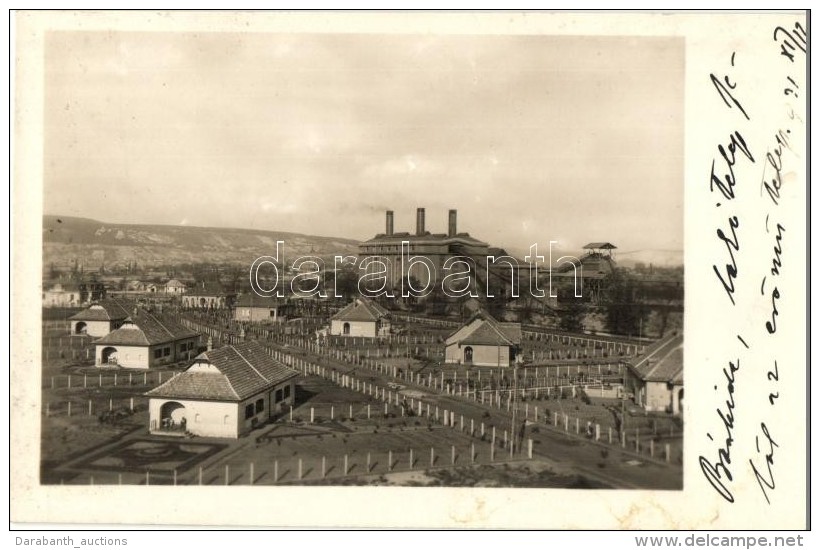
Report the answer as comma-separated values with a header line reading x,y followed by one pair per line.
x,y
382,257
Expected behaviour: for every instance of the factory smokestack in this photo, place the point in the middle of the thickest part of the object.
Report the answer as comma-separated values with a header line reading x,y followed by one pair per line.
x,y
451,228
388,230
420,221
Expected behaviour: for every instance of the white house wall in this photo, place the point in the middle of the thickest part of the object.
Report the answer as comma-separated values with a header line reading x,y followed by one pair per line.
x,y
483,356
143,357
132,357
202,418
97,329
253,314
366,329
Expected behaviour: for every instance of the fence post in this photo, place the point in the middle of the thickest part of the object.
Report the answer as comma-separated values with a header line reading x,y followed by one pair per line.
x,y
432,456
411,459
529,448
276,471
346,468
472,453
250,481
368,463
389,461
667,452
299,471
200,475
453,454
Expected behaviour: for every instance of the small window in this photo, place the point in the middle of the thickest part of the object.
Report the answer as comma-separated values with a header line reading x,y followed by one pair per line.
x,y
260,405
167,351
286,391
249,411
226,419
278,395
157,353
273,313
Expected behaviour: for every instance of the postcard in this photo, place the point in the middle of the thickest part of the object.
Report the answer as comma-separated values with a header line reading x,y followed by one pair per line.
x,y
537,270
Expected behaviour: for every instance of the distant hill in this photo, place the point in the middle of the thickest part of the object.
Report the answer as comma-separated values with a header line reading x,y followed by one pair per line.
x,y
93,242
658,258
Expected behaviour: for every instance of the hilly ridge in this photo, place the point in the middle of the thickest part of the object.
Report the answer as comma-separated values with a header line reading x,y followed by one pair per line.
x,y
94,243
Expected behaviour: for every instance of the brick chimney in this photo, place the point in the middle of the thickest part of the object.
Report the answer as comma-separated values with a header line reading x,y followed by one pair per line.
x,y
451,227
420,221
388,230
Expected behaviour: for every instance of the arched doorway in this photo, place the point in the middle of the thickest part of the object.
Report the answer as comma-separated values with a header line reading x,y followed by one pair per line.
x,y
80,328
172,415
109,355
468,354
346,328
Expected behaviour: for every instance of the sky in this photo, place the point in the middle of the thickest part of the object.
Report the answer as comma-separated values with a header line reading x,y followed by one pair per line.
x,y
530,138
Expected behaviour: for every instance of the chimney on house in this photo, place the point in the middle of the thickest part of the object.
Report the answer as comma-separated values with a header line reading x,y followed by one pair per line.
x,y
388,230
451,228
420,221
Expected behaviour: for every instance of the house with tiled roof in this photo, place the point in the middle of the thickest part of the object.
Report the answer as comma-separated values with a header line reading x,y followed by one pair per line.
x,y
655,378
226,392
175,286
208,295
146,340
483,341
62,294
71,292
361,317
100,318
254,308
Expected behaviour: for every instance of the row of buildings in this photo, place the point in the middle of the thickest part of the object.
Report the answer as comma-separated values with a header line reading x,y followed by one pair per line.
x,y
222,392
228,391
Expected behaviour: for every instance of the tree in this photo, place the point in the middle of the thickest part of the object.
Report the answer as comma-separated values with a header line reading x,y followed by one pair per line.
x,y
572,317
346,283
625,312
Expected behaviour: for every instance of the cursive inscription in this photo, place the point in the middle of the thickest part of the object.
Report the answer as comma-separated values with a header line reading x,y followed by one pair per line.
x,y
719,473
765,446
